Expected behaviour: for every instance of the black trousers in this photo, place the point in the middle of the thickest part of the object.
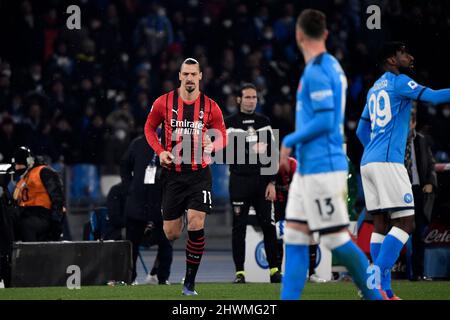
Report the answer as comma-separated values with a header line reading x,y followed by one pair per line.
x,y
417,237
35,224
135,233
246,191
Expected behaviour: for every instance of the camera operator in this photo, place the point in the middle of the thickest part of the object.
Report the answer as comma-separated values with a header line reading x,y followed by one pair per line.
x,y
40,197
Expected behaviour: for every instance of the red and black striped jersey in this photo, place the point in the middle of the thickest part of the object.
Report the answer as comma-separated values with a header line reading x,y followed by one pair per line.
x,y
184,126
284,179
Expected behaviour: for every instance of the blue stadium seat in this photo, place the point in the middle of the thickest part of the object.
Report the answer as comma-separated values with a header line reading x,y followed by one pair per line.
x,y
220,176
84,185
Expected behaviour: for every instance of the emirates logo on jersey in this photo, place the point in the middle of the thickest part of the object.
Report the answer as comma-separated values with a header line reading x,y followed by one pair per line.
x,y
186,127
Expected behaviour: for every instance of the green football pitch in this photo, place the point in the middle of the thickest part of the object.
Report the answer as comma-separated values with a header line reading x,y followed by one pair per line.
x,y
424,290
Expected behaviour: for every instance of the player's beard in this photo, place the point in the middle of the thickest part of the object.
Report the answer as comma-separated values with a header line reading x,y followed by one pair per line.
x,y
409,71
190,88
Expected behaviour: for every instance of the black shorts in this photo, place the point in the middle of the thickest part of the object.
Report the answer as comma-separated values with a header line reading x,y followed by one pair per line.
x,y
184,191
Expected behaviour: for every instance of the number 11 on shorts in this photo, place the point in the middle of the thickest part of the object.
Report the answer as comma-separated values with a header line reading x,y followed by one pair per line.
x,y
206,195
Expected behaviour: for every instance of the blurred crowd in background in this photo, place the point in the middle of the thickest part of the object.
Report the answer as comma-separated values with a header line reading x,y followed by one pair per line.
x,y
80,96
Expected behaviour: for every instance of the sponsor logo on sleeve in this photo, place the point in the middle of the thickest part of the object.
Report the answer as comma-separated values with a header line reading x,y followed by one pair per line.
x,y
321,94
412,84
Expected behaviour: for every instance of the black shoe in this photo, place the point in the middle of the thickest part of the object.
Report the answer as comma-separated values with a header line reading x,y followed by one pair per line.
x,y
276,277
240,278
415,278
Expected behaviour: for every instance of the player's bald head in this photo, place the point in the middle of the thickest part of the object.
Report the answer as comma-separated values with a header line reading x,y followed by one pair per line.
x,y
189,62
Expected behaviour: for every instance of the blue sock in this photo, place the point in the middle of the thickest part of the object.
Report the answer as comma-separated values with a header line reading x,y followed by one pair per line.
x,y
389,253
295,271
375,248
357,264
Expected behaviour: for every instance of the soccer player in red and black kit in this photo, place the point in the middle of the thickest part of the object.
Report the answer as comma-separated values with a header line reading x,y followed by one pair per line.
x,y
189,119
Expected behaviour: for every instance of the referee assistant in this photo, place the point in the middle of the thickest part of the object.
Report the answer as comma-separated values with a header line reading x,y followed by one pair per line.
x,y
248,186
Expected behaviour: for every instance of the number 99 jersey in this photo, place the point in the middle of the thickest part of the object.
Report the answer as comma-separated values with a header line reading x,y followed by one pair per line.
x,y
388,108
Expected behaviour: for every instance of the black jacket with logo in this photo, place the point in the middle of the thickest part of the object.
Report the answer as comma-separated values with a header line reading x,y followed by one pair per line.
x,y
244,131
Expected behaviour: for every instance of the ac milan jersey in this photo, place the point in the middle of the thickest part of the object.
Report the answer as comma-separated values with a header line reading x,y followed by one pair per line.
x,y
184,125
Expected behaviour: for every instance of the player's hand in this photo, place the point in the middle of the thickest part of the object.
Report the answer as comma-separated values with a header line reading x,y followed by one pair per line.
x,y
284,158
428,188
166,159
207,144
259,147
271,194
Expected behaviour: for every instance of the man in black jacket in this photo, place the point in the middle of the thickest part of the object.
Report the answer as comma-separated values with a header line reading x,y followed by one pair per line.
x,y
143,204
420,163
115,202
39,194
250,138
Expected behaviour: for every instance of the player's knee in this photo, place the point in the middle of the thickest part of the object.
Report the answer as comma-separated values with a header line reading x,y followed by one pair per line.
x,y
195,223
380,224
293,236
406,223
335,240
171,233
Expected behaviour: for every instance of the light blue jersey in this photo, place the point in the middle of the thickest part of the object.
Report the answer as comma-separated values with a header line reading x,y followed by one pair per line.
x,y
320,111
388,108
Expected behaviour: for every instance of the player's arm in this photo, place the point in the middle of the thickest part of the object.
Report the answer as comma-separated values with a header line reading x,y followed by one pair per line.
x,y
435,96
363,130
407,87
293,166
220,132
324,111
154,119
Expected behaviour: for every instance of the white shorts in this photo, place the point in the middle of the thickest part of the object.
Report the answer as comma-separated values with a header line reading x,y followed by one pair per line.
x,y
320,200
387,189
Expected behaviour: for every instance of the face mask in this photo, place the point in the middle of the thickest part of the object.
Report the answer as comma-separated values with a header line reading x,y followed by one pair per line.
x,y
161,12
120,134
268,35
19,172
231,108
351,125
36,76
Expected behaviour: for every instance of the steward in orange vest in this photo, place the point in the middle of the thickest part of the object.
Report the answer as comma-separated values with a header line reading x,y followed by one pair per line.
x,y
39,194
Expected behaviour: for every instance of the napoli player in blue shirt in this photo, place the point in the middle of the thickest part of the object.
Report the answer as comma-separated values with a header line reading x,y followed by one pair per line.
x,y
383,130
318,193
